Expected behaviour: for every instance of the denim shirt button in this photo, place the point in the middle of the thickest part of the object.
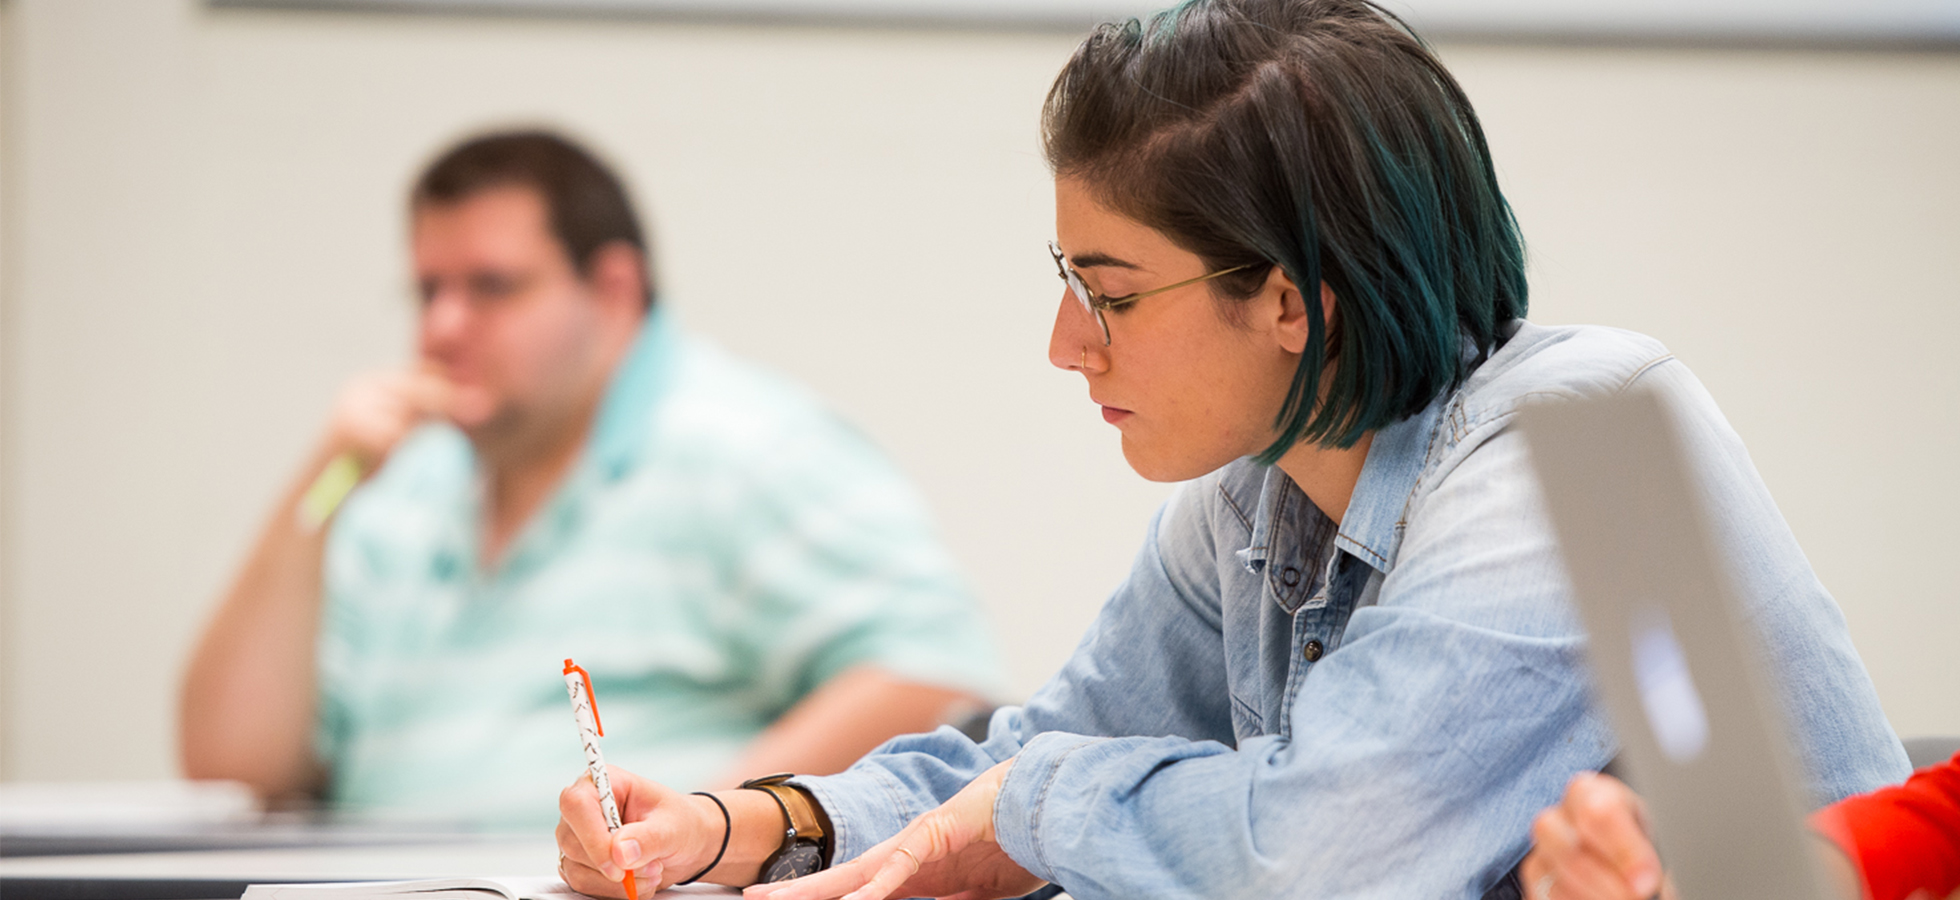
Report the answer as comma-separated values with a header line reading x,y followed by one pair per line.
x,y
1312,651
1290,576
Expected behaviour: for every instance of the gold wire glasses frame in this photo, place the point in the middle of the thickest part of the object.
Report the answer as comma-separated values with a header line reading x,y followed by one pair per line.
x,y
1095,305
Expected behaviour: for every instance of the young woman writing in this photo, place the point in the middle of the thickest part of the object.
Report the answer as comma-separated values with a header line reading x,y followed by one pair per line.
x,y
1343,664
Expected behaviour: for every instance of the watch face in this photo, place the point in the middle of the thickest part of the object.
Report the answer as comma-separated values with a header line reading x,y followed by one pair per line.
x,y
795,861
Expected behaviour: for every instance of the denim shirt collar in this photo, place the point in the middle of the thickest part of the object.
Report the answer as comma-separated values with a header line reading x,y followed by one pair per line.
x,y
1371,529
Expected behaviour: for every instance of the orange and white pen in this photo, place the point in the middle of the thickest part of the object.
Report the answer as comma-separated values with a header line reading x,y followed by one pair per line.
x,y
585,709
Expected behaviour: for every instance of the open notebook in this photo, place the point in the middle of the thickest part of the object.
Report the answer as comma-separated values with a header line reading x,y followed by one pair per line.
x,y
507,888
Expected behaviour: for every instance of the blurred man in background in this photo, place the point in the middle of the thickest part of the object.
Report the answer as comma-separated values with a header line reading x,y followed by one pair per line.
x,y
562,473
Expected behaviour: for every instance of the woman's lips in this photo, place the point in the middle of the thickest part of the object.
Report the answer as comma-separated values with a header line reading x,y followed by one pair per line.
x,y
1112,415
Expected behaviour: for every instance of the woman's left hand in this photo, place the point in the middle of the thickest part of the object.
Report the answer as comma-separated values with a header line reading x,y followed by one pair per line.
x,y
949,852
1593,844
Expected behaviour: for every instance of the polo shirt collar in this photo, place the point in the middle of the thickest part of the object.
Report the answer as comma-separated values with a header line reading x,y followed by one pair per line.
x,y
622,427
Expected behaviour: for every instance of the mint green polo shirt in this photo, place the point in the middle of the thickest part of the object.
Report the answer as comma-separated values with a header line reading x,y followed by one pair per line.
x,y
723,547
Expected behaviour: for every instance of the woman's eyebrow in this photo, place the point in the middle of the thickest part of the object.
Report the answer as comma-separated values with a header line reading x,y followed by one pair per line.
x,y
1100,260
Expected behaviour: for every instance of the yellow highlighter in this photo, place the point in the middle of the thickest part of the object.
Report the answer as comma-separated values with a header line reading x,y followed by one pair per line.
x,y
329,490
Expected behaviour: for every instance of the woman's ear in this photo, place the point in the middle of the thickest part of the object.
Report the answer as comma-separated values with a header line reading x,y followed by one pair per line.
x,y
1291,326
1293,322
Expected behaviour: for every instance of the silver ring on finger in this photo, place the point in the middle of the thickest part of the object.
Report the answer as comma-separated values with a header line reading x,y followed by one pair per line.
x,y
1543,889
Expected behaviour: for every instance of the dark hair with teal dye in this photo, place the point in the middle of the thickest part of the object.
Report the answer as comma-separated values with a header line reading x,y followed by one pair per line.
x,y
1323,137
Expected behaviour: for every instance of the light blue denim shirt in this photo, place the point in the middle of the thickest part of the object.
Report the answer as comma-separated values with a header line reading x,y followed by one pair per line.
x,y
1275,706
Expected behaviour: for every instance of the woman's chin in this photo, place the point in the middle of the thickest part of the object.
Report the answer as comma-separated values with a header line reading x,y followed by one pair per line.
x,y
1155,465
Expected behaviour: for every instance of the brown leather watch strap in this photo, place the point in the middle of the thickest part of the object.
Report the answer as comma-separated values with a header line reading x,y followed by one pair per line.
x,y
806,819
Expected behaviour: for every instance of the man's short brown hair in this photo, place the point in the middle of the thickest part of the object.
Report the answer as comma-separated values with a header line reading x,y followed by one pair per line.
x,y
584,201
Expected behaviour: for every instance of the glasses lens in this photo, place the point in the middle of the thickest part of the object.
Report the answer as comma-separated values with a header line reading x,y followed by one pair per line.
x,y
1075,285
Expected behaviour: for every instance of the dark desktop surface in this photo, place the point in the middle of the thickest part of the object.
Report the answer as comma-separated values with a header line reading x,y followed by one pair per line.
x,y
121,888
290,833
56,842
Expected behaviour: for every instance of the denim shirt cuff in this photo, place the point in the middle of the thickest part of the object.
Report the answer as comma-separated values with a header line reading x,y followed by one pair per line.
x,y
865,805
1018,809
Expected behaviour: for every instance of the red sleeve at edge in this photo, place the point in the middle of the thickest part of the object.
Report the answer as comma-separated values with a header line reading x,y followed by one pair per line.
x,y
1905,838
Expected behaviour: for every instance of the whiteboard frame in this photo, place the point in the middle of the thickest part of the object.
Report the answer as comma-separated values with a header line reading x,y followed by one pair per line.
x,y
1927,25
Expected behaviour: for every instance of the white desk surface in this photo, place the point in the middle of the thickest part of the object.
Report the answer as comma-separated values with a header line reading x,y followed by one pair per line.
x,y
513,856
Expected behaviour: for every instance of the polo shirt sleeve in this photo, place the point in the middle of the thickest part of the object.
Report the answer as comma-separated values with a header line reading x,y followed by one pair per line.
x,y
356,540
839,566
368,571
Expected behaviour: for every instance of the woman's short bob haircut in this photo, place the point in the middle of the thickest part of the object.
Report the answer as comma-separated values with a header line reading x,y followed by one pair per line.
x,y
1320,136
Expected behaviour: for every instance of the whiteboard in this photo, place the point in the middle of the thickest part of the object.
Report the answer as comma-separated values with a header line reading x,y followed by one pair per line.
x,y
1928,22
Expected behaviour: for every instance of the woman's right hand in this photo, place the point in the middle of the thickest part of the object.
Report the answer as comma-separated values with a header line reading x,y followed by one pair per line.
x,y
666,835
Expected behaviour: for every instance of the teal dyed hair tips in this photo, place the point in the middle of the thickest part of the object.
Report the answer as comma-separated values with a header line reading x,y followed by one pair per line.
x,y
1323,137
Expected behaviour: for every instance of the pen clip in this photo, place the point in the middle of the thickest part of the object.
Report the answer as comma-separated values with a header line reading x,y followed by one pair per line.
x,y
591,698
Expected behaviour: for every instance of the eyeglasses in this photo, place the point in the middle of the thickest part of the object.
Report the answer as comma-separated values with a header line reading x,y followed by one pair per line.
x,y
1095,305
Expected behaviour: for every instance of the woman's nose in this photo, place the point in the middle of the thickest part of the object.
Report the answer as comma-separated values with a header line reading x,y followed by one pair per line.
x,y
1075,344
1065,340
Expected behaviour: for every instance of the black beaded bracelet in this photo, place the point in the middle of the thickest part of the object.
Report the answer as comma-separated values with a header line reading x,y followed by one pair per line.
x,y
727,828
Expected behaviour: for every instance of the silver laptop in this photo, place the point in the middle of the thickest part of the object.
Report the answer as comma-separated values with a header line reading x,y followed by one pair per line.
x,y
1678,674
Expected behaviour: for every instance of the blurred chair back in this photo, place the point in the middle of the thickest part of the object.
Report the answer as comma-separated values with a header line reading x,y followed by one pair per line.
x,y
1927,751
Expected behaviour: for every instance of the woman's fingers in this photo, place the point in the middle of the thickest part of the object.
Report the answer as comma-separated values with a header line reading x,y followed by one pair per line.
x,y
1558,867
873,875
832,882
582,832
1591,846
934,844
590,881
899,866
1587,877
587,880
657,826
1556,845
665,839
1608,816
580,873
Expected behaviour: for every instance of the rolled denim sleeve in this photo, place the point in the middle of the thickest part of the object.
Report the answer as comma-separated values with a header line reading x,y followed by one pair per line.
x,y
1200,743
1363,802
1152,664
1414,755
901,780
1830,706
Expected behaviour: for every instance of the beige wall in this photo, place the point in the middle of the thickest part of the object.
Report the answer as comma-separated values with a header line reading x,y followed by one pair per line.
x,y
205,240
7,604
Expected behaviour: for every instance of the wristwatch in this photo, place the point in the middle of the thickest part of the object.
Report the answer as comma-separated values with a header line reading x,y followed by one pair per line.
x,y
806,842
